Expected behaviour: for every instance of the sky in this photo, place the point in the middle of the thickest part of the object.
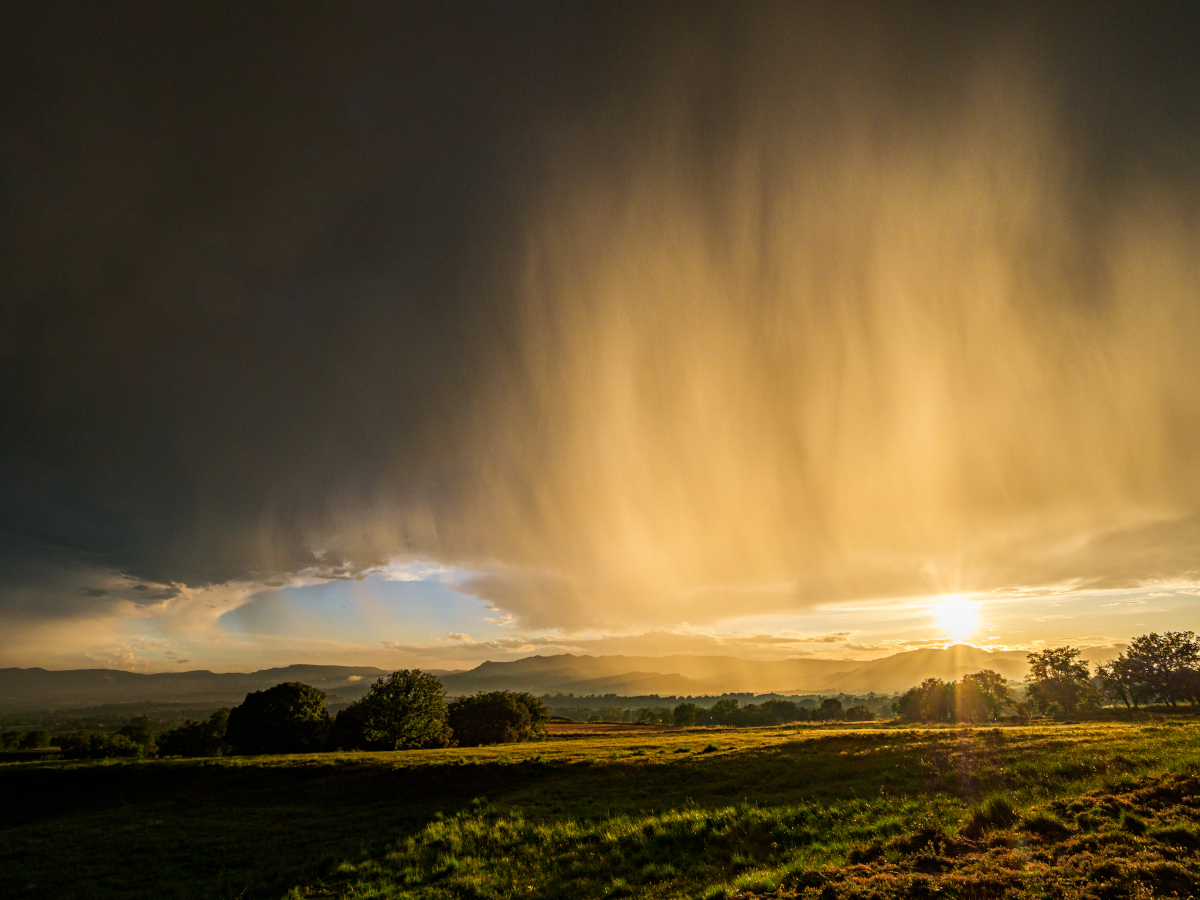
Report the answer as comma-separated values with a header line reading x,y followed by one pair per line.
x,y
424,334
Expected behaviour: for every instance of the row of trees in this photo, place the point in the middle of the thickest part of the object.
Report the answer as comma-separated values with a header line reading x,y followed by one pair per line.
x,y
1153,669
979,697
405,710
726,711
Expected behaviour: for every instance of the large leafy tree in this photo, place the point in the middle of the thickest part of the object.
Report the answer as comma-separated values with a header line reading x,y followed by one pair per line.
x,y
288,718
982,695
404,711
1158,667
930,701
497,717
1059,683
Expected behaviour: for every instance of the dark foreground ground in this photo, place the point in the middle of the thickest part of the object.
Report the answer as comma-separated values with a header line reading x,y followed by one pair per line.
x,y
1062,811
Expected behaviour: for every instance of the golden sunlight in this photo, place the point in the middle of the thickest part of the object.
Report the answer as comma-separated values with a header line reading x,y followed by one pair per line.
x,y
957,617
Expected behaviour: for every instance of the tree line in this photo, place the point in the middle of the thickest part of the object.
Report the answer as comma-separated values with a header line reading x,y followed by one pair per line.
x,y
1154,668
404,710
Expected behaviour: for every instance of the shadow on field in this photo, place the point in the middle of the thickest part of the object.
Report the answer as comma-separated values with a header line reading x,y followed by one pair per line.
x,y
254,828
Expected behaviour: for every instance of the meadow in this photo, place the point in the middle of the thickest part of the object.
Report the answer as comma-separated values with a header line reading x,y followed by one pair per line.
x,y
1100,810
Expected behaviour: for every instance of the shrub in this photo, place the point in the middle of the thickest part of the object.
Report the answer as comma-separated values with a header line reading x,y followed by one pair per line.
x,y
1132,824
498,717
100,746
288,718
205,738
404,711
1045,826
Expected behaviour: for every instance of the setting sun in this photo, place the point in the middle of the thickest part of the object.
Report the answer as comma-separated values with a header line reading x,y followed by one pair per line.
x,y
958,618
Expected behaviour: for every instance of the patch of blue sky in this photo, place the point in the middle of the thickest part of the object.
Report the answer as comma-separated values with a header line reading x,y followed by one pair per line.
x,y
421,608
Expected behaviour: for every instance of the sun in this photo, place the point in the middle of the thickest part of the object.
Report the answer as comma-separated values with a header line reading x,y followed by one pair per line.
x,y
957,617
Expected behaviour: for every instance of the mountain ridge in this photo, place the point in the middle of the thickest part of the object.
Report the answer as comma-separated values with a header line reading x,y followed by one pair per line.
x,y
676,675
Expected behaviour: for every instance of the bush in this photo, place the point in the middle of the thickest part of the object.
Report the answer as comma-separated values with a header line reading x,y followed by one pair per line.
x,y
288,718
498,717
406,710
100,746
205,738
860,714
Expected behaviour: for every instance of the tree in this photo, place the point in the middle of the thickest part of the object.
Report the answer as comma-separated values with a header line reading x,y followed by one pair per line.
x,y
1163,667
779,712
654,715
981,696
288,718
831,708
35,740
140,730
497,717
860,713
1058,682
1115,681
724,711
930,701
404,711
205,738
686,714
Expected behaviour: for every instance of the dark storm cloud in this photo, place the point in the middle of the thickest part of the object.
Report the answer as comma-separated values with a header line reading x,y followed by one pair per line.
x,y
238,252
260,309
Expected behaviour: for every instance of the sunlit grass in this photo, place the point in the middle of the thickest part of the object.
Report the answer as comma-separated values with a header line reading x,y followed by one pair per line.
x,y
649,815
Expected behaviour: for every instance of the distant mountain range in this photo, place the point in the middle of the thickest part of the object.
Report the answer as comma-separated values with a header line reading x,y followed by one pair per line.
x,y
38,688
23,689
695,675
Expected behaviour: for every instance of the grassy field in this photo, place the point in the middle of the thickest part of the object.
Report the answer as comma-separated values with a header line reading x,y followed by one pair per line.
x,y
1083,810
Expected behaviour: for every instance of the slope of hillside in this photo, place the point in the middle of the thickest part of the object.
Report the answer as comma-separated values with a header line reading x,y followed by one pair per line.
x,y
35,688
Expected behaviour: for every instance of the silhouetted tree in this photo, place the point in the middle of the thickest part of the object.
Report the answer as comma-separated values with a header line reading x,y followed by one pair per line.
x,y
686,714
1059,683
830,709
205,738
723,711
35,740
140,730
404,711
497,717
288,718
860,713
930,701
1163,667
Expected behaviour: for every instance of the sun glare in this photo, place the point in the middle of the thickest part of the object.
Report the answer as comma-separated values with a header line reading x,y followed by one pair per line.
x,y
957,617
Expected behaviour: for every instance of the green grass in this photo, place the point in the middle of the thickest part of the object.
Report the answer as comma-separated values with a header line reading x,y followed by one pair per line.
x,y
659,815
